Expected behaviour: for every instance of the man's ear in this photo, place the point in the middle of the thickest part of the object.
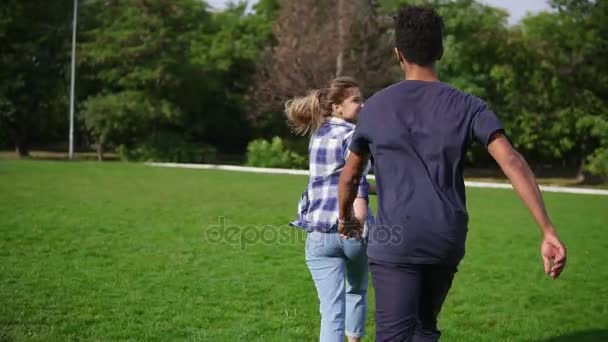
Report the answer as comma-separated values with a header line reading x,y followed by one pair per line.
x,y
399,56
440,53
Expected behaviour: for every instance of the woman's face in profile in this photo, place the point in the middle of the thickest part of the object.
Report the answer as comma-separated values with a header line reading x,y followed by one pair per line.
x,y
351,106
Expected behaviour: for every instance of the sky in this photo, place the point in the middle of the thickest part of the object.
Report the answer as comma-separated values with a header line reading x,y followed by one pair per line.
x,y
517,8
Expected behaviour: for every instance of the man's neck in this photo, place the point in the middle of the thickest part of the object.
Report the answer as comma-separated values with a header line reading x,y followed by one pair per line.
x,y
415,72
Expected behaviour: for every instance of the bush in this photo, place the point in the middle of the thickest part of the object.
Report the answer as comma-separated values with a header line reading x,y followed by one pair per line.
x,y
264,153
598,163
168,147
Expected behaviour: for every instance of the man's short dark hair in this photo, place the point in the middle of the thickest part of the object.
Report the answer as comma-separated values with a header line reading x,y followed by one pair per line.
x,y
419,34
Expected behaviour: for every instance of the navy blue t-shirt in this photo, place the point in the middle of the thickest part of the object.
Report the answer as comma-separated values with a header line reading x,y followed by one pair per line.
x,y
418,133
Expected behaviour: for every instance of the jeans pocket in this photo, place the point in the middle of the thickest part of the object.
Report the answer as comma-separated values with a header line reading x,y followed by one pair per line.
x,y
354,244
355,249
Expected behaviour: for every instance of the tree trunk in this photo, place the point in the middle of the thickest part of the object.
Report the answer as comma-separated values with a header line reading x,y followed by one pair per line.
x,y
22,150
100,149
580,174
341,34
587,178
20,141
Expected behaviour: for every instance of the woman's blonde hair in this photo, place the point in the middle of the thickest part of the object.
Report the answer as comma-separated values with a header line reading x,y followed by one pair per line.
x,y
306,114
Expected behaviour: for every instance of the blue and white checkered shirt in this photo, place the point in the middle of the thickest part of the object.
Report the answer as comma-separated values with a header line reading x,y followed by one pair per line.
x,y
327,151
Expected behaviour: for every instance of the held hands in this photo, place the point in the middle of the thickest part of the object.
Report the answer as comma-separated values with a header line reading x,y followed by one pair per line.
x,y
350,228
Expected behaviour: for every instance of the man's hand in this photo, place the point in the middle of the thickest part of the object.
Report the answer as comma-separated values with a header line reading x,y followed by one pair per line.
x,y
350,228
554,255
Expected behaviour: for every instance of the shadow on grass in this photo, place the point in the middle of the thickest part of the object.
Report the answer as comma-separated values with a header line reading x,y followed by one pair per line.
x,y
581,336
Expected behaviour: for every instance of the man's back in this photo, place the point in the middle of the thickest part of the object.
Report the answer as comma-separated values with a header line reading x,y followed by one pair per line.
x,y
417,133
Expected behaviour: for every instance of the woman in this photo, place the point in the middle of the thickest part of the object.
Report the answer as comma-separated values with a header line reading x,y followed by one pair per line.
x,y
338,264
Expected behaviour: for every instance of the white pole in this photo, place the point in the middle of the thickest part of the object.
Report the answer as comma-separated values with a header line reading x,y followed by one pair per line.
x,y
72,81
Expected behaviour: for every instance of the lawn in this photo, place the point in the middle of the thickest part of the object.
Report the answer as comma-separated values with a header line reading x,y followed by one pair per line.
x,y
115,251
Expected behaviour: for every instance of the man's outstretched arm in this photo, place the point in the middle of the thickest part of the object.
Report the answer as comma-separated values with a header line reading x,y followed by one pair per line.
x,y
347,192
522,178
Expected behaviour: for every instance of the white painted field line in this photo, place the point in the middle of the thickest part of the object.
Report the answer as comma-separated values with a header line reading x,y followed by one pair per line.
x,y
472,184
266,170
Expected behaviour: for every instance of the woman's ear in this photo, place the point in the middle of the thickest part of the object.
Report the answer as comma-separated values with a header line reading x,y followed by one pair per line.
x,y
336,108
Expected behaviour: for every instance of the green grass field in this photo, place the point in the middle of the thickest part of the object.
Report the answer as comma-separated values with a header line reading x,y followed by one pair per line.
x,y
113,251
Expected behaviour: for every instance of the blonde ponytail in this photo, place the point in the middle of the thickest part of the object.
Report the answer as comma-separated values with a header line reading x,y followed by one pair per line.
x,y
304,113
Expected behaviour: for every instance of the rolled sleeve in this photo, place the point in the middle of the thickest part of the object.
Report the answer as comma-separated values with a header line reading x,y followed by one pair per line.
x,y
363,190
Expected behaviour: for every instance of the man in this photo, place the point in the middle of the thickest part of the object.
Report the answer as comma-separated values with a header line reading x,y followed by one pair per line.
x,y
417,132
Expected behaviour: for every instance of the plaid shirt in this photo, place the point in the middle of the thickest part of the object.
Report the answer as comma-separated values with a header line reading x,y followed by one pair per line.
x,y
327,151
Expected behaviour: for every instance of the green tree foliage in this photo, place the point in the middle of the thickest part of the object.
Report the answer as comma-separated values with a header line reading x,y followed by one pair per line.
x,y
545,77
34,51
175,71
555,83
170,66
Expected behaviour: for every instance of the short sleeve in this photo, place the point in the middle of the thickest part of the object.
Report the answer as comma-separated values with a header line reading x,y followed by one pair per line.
x,y
361,138
484,123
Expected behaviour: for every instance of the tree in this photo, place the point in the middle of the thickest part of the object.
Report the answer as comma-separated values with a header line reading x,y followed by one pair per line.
x,y
35,48
189,68
555,86
138,54
354,42
237,44
545,77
